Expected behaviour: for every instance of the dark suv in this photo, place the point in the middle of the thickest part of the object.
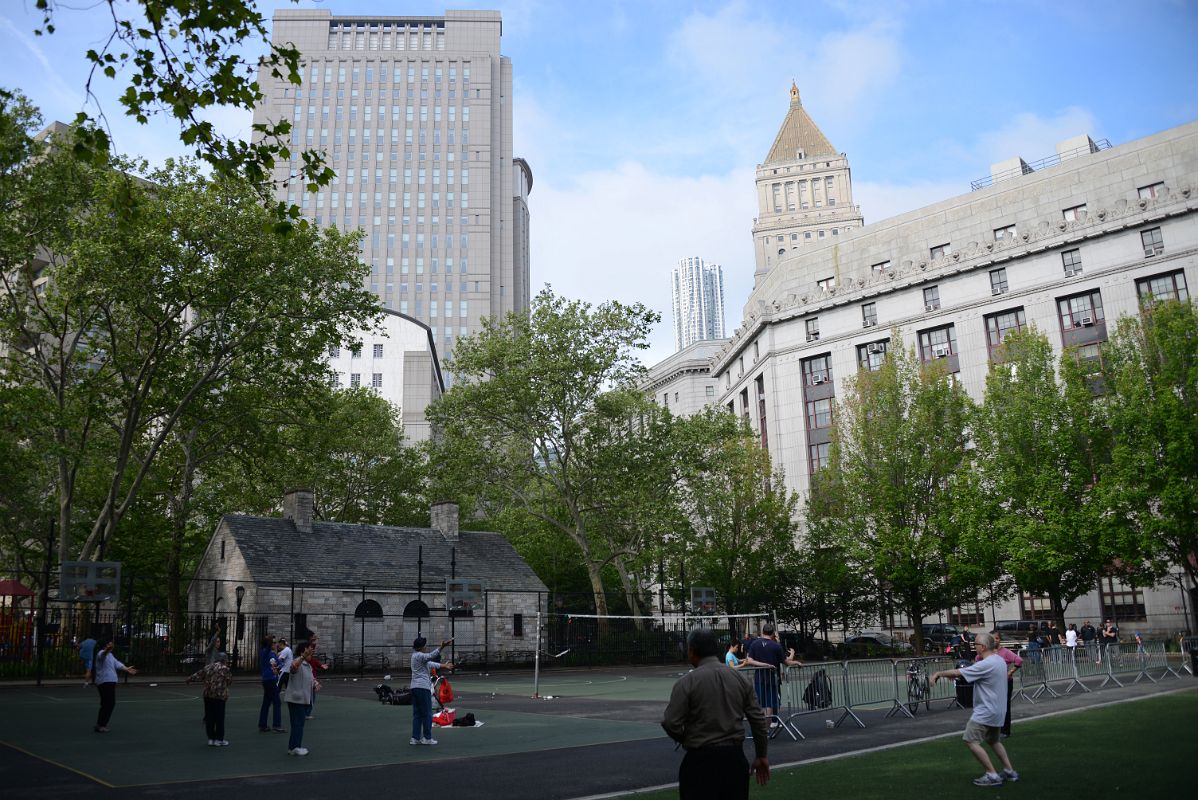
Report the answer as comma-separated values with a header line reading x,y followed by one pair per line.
x,y
1011,629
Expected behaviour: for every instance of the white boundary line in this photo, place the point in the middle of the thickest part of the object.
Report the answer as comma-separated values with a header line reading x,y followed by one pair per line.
x,y
892,745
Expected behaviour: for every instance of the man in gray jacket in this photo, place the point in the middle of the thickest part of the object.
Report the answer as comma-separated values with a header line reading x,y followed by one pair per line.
x,y
705,715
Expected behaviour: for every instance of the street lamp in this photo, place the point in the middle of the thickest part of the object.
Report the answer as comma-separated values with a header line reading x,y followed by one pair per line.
x,y
238,624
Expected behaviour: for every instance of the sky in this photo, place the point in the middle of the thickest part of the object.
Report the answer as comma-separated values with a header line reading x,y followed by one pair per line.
x,y
643,120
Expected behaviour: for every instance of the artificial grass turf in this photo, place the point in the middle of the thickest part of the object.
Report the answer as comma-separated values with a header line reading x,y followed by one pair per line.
x,y
1140,749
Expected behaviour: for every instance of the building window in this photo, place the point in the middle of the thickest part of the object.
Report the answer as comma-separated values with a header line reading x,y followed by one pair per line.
x,y
376,380
334,351
826,284
817,370
1154,245
937,342
355,380
968,614
1035,606
1002,323
1167,286
870,356
1151,191
1071,260
1005,232
1075,213
517,625
819,414
880,267
355,351
378,351
1080,310
744,405
869,315
222,549
812,329
998,281
1121,602
939,251
761,412
711,391
818,454
931,298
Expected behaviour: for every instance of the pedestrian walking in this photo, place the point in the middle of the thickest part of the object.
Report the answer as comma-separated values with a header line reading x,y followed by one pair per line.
x,y
422,688
216,677
298,696
105,668
705,716
268,667
989,679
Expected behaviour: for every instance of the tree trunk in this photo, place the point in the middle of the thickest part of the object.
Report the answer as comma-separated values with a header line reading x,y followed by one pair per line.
x,y
915,614
630,585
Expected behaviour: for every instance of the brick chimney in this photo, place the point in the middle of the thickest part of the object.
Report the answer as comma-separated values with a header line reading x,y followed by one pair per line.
x,y
297,507
445,519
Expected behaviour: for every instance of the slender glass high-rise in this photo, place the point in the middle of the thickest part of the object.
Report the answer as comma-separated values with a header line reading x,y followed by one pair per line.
x,y
414,115
698,292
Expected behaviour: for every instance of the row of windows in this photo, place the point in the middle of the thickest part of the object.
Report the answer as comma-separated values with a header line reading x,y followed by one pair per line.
x,y
423,199
398,39
382,69
794,195
807,236
328,93
1071,262
355,380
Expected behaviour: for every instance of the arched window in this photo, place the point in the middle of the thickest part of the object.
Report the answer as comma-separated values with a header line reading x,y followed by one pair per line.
x,y
368,609
416,608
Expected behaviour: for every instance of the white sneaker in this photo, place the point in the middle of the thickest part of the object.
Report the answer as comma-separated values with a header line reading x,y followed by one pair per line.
x,y
212,743
428,741
413,741
1010,775
301,751
223,742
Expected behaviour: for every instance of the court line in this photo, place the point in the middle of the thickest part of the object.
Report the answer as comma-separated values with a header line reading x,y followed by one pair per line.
x,y
891,745
59,764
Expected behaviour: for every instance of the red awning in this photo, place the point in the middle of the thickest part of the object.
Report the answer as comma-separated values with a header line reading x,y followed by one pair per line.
x,y
11,588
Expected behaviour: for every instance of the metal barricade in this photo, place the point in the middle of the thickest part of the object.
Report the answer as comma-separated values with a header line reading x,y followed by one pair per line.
x,y
1087,663
1188,645
1156,658
1029,678
815,689
870,683
767,682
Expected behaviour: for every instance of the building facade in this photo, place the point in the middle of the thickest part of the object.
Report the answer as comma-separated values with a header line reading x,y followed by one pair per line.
x,y
1067,249
683,382
398,360
697,289
804,192
414,115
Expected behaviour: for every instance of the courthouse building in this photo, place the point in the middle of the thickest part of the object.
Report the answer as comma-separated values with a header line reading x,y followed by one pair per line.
x,y
1067,244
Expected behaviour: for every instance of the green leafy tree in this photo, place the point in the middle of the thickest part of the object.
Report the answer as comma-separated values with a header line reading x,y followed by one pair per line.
x,y
1037,457
528,423
181,58
1150,486
899,443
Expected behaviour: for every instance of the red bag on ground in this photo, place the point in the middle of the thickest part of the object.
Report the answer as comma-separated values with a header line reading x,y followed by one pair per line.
x,y
445,717
444,692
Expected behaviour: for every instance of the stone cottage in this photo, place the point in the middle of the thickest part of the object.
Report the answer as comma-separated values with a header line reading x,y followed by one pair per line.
x,y
366,590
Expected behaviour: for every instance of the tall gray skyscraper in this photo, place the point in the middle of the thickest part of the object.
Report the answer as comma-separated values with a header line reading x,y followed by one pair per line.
x,y
698,289
414,114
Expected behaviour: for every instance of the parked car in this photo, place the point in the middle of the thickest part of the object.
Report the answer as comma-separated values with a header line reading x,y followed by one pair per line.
x,y
1022,629
938,636
874,645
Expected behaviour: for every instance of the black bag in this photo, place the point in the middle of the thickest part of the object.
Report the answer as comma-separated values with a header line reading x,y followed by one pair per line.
x,y
464,722
818,693
964,688
402,697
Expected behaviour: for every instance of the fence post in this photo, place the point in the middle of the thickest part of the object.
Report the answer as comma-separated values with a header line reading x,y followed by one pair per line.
x,y
41,611
536,661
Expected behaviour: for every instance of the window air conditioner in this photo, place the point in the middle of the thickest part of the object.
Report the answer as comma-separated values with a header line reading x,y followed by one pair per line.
x,y
875,348
1069,273
817,378
941,351
996,291
813,337
1154,250
1086,321
930,307
867,323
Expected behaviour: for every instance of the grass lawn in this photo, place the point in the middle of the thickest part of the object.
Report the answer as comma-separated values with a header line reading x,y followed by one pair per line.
x,y
1142,749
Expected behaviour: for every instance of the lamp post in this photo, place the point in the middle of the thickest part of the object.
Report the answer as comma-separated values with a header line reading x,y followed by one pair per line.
x,y
238,627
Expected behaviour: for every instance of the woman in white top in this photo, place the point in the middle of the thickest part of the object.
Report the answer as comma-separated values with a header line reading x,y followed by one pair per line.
x,y
298,696
105,669
1071,637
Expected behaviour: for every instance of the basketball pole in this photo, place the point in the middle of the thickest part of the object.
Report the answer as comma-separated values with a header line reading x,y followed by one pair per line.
x,y
536,662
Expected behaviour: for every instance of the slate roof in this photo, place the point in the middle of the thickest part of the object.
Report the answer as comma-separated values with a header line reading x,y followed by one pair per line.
x,y
798,132
341,554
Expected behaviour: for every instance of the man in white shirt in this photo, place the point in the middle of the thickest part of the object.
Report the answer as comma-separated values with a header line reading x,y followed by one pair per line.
x,y
989,679
284,659
1071,637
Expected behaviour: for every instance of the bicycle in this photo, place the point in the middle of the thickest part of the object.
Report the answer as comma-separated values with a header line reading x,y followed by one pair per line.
x,y
919,690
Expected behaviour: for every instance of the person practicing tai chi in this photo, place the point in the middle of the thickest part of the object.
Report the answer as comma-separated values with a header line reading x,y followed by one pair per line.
x,y
422,688
705,715
216,678
104,670
989,678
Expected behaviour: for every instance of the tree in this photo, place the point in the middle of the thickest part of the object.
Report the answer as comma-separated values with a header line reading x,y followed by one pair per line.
x,y
528,423
739,535
1150,486
183,57
1038,452
898,446
126,301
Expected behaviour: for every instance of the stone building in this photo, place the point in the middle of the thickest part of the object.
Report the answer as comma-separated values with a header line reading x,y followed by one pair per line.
x,y
368,590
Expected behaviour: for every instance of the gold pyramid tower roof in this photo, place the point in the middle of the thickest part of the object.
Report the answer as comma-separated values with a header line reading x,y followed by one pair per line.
x,y
799,133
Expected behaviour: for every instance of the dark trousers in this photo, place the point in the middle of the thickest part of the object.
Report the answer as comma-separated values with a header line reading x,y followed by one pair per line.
x,y
297,712
214,718
714,773
270,697
1006,723
422,714
107,703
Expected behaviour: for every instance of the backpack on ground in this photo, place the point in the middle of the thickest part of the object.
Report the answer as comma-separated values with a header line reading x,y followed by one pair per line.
x,y
818,693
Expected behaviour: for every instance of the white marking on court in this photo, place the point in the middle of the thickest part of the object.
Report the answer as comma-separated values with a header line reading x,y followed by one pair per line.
x,y
893,745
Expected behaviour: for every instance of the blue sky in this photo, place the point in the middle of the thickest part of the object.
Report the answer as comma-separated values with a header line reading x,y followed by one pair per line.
x,y
643,121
